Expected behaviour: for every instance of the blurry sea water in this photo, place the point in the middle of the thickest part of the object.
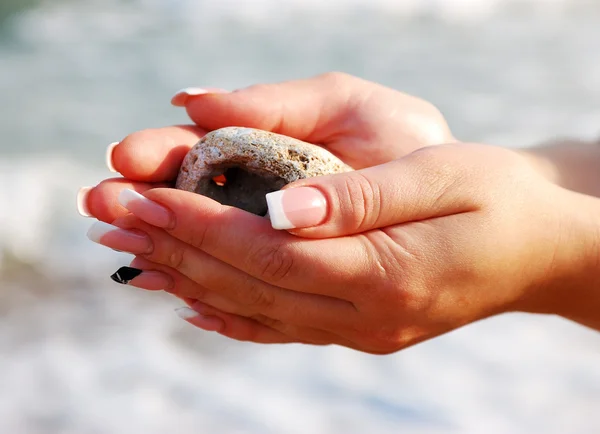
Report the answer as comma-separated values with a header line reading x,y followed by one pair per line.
x,y
79,354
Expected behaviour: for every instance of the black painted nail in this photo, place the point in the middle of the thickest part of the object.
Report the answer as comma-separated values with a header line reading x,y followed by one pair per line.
x,y
124,275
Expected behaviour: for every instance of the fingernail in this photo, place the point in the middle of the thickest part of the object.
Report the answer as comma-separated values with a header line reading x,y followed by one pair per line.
x,y
109,156
145,279
300,207
120,239
147,210
124,275
82,198
181,97
186,313
208,323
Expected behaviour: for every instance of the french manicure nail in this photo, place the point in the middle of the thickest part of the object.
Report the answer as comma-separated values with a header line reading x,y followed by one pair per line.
x,y
182,95
186,313
109,156
82,198
146,209
120,239
208,323
300,207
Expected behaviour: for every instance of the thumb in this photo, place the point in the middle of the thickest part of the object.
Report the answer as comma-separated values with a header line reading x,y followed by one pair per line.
x,y
304,109
430,182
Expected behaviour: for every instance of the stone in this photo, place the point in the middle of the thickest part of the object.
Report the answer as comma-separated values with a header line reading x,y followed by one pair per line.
x,y
238,166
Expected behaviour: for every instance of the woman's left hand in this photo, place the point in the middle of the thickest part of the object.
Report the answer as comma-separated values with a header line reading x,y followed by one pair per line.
x,y
385,257
361,122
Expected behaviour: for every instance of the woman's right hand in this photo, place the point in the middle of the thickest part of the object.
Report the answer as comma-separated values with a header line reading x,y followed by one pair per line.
x,y
400,253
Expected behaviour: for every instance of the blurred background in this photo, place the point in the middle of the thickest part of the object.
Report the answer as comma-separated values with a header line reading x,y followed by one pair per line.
x,y
80,354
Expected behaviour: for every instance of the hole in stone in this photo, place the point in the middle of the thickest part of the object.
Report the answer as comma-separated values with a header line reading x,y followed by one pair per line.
x,y
220,180
240,188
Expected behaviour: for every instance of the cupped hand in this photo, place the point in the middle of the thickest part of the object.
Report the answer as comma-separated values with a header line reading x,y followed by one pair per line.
x,y
389,256
363,123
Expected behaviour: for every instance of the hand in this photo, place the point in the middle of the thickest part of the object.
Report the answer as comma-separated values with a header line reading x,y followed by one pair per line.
x,y
363,123
406,251
572,164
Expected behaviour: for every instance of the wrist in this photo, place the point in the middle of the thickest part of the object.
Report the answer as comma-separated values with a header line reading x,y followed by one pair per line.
x,y
572,287
570,164
543,162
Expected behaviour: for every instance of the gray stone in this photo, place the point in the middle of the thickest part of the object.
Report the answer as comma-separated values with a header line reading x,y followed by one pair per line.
x,y
254,163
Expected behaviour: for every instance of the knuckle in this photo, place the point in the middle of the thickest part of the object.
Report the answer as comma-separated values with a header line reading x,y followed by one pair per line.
x,y
130,221
259,298
199,293
273,262
361,199
400,265
175,258
266,96
444,161
259,90
198,236
443,175
266,321
385,341
336,77
433,157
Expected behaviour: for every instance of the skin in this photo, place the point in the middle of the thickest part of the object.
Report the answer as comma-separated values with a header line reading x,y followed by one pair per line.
x,y
423,239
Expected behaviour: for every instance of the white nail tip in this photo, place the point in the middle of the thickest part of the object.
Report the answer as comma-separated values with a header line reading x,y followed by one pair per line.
x,y
82,196
276,213
109,156
127,195
192,91
180,97
98,230
186,313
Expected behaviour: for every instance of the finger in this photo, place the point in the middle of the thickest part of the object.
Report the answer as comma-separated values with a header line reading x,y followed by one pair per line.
x,y
102,202
248,243
181,286
233,326
335,110
144,278
201,299
432,182
153,155
311,110
257,296
296,334
152,276
182,96
257,330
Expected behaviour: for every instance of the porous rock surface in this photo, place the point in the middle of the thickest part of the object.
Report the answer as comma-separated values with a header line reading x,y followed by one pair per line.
x,y
254,163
